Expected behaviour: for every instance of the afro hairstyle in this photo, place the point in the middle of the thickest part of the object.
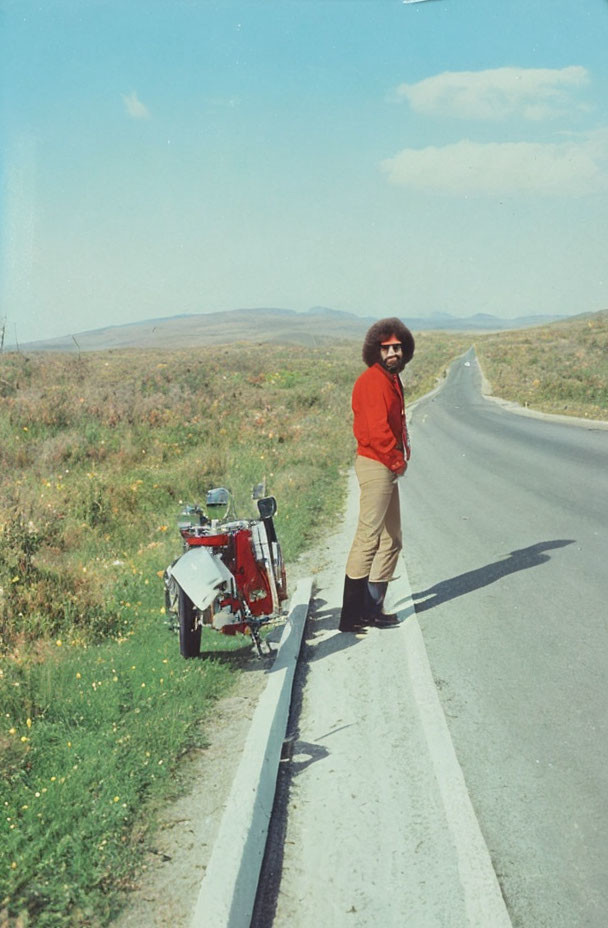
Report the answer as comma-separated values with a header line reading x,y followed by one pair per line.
x,y
382,330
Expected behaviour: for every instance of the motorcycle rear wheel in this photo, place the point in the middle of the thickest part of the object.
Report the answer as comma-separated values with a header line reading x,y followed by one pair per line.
x,y
189,627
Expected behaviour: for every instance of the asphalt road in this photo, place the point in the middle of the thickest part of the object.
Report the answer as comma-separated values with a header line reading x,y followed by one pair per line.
x,y
505,529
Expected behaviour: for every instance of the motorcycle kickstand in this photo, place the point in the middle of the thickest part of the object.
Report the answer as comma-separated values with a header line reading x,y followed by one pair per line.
x,y
255,634
257,638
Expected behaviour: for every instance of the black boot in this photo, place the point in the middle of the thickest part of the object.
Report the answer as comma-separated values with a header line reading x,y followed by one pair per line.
x,y
353,604
376,593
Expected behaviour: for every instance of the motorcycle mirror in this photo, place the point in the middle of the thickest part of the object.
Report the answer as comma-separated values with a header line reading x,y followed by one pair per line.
x,y
267,507
259,490
218,496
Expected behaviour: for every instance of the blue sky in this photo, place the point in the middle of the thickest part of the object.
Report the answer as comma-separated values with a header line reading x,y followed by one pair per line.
x,y
376,156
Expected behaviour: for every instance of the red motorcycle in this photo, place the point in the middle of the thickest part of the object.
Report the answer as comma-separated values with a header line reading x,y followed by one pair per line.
x,y
231,576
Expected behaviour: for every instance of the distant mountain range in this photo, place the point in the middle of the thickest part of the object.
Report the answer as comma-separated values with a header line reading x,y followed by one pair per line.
x,y
285,326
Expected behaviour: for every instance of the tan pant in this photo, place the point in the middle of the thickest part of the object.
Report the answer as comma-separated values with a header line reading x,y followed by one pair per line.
x,y
377,541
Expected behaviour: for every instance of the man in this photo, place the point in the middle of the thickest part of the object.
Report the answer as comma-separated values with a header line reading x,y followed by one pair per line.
x,y
383,451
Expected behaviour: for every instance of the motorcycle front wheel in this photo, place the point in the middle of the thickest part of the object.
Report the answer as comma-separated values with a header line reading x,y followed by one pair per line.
x,y
189,627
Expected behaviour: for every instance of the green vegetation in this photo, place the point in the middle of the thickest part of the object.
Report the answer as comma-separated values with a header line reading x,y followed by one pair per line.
x,y
558,368
97,454
93,732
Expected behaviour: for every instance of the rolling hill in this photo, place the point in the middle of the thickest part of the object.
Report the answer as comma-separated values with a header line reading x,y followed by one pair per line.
x,y
283,326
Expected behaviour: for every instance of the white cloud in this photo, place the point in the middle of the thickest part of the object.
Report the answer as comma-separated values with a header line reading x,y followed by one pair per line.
x,y
534,93
576,167
134,107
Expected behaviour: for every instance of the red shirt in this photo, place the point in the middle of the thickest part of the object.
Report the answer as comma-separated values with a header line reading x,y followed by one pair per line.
x,y
379,424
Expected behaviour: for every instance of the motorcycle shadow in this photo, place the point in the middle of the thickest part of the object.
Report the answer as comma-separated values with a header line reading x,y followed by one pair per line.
x,y
242,656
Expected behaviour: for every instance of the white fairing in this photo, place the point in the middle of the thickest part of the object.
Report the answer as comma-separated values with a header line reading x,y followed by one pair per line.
x,y
268,556
260,542
201,575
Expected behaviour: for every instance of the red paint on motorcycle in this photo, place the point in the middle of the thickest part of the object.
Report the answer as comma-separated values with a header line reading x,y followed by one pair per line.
x,y
207,541
249,576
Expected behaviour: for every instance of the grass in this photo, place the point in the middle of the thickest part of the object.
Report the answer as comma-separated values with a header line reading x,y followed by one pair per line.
x,y
97,455
558,368
103,729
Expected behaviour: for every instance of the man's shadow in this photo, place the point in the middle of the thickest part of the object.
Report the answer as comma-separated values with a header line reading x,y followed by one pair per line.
x,y
483,576
327,620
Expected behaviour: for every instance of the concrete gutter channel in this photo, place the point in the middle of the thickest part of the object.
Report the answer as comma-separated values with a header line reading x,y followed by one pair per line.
x,y
228,891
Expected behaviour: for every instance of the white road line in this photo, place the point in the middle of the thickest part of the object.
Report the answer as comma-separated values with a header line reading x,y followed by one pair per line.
x,y
484,903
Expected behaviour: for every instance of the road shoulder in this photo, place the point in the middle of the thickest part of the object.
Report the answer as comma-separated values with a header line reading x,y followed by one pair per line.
x,y
518,409
380,828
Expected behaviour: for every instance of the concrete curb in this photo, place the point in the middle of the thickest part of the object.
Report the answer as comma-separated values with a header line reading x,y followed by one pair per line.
x,y
227,893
